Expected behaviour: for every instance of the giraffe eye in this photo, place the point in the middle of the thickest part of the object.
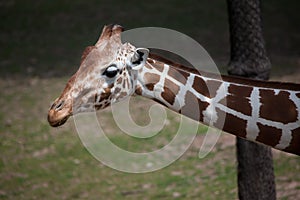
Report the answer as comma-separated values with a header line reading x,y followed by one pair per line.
x,y
111,71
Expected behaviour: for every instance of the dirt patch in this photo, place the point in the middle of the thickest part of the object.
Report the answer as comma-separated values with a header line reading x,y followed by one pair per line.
x,y
293,78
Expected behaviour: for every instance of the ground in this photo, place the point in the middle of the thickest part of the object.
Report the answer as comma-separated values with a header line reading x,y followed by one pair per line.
x,y
36,159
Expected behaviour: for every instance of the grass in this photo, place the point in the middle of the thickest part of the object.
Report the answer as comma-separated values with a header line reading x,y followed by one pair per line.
x,y
41,162
41,43
47,38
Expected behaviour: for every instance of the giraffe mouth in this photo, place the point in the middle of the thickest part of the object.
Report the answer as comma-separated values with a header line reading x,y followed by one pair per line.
x,y
59,113
57,123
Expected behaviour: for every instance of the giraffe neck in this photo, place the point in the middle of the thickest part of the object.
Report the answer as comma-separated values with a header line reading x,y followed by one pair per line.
x,y
264,112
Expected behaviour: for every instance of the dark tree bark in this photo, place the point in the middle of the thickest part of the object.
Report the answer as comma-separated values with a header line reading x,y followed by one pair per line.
x,y
249,59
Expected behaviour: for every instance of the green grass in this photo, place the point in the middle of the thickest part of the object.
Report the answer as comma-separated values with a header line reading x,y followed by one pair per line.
x,y
40,162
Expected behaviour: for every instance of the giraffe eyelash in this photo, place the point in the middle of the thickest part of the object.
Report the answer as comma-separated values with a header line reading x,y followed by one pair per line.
x,y
110,72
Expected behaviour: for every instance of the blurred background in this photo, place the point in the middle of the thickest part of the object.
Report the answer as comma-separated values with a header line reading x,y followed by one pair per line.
x,y
40,47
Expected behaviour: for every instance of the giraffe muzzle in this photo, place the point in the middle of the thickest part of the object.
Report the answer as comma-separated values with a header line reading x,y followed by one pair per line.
x,y
59,112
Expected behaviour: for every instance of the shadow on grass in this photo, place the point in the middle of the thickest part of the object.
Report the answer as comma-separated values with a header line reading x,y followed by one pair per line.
x,y
46,38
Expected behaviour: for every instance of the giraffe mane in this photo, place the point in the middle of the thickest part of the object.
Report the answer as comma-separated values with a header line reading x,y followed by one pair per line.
x,y
233,79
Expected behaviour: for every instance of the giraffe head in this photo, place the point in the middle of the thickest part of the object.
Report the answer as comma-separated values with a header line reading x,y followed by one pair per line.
x,y
107,74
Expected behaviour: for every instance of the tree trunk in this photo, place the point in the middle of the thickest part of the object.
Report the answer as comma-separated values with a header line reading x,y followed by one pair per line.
x,y
249,59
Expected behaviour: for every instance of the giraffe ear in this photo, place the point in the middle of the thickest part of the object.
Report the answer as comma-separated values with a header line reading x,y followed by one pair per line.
x,y
139,58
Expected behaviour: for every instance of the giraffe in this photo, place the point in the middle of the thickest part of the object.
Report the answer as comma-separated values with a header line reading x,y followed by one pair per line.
x,y
260,111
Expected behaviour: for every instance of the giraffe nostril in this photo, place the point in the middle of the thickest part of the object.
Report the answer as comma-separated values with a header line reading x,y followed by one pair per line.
x,y
58,106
